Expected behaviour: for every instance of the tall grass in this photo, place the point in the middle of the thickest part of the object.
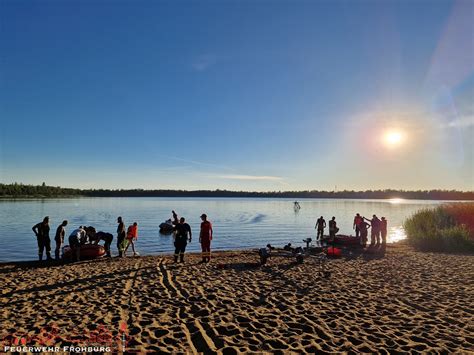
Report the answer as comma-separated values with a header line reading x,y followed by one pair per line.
x,y
445,228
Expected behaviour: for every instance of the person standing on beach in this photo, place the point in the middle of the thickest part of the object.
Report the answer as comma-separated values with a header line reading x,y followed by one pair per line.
x,y
333,228
383,230
363,227
41,231
357,221
182,230
120,236
132,235
320,225
205,237
59,238
375,231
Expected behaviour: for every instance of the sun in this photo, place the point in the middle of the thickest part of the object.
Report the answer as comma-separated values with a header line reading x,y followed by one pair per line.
x,y
393,138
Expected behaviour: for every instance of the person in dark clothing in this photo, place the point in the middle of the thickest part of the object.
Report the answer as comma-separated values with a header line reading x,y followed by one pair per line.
x,y
375,232
107,238
121,234
182,230
41,231
175,218
59,238
363,227
383,230
357,221
333,228
320,225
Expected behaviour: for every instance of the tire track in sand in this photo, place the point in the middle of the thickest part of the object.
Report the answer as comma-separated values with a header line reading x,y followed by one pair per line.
x,y
125,319
167,282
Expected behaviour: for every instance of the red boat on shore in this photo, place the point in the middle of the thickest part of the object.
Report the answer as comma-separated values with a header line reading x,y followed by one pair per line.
x,y
88,251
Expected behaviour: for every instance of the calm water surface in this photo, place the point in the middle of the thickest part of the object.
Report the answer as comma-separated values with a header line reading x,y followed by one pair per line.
x,y
238,222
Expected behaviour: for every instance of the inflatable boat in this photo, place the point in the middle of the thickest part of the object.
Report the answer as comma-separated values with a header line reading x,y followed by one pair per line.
x,y
88,251
166,228
342,239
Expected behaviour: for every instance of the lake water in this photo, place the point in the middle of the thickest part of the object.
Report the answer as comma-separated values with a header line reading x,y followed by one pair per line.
x,y
238,222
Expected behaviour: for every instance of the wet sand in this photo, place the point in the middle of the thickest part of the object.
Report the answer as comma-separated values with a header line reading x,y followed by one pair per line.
x,y
398,300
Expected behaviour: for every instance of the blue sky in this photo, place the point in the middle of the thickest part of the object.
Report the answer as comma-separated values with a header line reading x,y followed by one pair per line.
x,y
244,95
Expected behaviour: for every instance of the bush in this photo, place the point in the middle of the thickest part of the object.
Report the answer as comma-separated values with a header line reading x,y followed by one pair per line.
x,y
442,229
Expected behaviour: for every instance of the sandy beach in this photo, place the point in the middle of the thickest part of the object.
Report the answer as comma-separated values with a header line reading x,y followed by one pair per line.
x,y
397,300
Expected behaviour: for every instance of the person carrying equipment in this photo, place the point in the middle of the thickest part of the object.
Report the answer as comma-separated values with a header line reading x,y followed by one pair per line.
x,y
320,225
59,238
357,221
132,235
205,237
182,229
41,231
120,236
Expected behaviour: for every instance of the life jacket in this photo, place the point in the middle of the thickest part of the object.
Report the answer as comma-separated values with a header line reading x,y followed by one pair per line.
x,y
132,232
357,220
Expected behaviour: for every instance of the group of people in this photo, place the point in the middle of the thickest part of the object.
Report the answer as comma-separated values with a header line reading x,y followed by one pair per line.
x,y
126,237
81,236
377,226
182,234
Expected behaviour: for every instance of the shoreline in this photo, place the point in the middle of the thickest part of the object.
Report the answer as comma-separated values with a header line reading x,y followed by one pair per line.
x,y
398,300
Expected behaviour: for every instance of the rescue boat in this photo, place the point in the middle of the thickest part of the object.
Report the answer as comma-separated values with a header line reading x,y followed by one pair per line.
x,y
343,240
88,251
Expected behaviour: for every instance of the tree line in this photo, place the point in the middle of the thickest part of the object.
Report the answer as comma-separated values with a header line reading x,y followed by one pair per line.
x,y
18,190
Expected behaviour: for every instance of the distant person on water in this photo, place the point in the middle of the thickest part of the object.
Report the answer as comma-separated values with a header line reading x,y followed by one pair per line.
x,y
175,218
121,234
205,237
182,231
320,225
375,231
59,238
333,228
297,206
357,221
132,235
107,238
383,230
41,231
77,238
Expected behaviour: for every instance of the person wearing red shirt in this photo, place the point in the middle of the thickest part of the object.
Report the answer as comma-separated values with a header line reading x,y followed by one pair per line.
x,y
205,238
132,235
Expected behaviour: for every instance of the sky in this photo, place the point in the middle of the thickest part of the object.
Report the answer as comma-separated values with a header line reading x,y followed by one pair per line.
x,y
261,95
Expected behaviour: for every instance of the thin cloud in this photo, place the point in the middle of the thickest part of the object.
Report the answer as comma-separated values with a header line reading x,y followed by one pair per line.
x,y
467,121
251,177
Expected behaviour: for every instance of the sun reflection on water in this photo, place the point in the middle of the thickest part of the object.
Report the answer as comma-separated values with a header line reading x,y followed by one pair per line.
x,y
396,234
